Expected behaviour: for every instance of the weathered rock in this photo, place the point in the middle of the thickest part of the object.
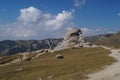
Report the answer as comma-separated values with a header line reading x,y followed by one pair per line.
x,y
117,74
19,69
39,78
73,38
30,56
59,56
45,50
50,77
40,51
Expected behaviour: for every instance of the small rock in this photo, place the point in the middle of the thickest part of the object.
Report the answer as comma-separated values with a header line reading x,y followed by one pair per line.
x,y
39,78
0,57
50,77
19,69
118,74
59,56
42,50
45,50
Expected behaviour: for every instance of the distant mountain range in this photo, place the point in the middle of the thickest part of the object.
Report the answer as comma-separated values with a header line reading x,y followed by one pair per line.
x,y
10,47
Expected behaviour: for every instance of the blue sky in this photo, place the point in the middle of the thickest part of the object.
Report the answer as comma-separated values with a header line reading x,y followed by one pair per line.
x,y
23,19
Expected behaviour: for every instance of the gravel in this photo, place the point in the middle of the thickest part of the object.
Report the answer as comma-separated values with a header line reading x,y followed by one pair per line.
x,y
110,72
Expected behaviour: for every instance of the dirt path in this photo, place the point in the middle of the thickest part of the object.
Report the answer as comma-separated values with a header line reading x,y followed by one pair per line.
x,y
111,72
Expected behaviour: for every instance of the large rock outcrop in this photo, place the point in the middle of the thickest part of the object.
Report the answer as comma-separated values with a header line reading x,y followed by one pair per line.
x,y
73,38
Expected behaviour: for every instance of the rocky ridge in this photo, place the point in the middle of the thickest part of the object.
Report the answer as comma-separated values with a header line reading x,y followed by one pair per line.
x,y
10,47
73,38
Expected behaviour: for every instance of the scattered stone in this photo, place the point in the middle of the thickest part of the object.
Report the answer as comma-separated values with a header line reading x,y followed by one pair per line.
x,y
30,56
87,44
19,69
50,77
39,78
59,56
118,74
40,51
45,50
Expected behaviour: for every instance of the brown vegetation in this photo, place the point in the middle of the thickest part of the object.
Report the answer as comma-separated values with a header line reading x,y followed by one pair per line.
x,y
77,63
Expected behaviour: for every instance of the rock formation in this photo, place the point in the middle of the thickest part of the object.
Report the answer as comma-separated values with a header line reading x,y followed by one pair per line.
x,y
73,38
59,56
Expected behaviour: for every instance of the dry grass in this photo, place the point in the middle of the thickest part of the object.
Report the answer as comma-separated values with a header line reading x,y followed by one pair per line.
x,y
77,63
112,41
7,59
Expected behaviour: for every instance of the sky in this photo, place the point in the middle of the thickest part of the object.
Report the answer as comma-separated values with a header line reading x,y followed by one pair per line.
x,y
41,19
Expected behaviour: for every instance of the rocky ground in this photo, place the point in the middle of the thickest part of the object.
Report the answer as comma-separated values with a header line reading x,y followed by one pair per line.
x,y
26,56
110,72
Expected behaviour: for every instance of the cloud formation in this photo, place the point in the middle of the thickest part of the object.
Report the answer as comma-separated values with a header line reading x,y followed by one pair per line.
x,y
85,30
90,31
34,23
29,15
79,3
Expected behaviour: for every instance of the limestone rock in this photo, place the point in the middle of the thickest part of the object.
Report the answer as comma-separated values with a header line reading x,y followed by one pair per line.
x,y
19,69
59,56
39,78
50,77
73,38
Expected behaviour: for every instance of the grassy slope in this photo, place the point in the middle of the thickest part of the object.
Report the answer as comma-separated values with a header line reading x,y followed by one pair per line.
x,y
75,65
112,41
7,59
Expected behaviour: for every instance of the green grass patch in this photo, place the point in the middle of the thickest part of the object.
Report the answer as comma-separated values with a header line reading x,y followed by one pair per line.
x,y
77,63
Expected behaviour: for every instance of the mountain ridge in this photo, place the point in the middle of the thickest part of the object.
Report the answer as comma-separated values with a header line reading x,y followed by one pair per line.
x,y
10,47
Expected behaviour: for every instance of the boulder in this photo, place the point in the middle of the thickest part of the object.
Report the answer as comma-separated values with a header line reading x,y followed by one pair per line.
x,y
59,56
19,69
51,76
73,38
39,78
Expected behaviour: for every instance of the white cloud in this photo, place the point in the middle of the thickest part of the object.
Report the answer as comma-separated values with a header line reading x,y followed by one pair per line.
x,y
34,23
90,31
62,19
79,3
85,30
29,15
118,14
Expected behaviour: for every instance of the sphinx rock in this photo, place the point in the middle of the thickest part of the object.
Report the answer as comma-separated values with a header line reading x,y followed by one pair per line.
x,y
73,38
